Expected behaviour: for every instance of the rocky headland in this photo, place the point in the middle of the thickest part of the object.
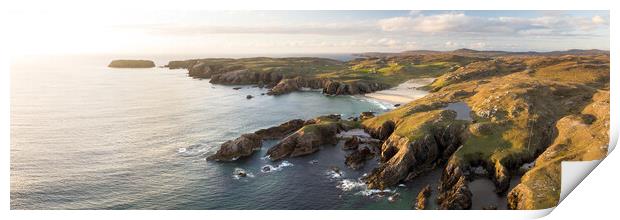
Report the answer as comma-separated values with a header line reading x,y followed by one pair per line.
x,y
525,113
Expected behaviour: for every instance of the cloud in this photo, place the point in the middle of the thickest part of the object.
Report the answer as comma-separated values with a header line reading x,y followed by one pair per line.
x,y
415,23
478,45
450,44
461,23
310,29
598,20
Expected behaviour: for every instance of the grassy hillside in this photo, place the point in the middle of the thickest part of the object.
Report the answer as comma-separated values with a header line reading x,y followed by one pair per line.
x,y
520,106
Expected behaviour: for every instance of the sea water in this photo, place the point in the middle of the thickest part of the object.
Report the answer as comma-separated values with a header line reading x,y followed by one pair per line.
x,y
85,136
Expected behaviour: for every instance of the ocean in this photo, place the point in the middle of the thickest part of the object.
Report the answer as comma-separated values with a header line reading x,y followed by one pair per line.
x,y
85,136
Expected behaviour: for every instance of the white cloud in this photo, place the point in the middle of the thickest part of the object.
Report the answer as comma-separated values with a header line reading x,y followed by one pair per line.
x,y
450,44
462,23
598,20
478,45
434,23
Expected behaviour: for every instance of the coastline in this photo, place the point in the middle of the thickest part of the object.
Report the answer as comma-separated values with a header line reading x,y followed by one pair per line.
x,y
403,93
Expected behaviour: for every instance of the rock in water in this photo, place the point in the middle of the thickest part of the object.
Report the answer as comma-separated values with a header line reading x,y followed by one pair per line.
x,y
351,143
454,191
131,64
422,199
249,97
240,172
266,169
366,115
280,131
308,139
356,159
243,146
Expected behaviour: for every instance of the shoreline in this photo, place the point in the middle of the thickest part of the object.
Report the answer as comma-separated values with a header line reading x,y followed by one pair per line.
x,y
403,93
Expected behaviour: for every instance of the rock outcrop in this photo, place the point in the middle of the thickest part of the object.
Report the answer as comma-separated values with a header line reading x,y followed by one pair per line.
x,y
454,192
308,139
435,136
246,144
131,64
382,132
357,158
282,130
243,146
351,143
422,198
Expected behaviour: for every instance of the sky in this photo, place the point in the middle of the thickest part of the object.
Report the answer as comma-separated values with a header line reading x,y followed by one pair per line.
x,y
298,32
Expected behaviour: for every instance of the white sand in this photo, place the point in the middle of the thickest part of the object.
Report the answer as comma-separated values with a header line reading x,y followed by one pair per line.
x,y
403,93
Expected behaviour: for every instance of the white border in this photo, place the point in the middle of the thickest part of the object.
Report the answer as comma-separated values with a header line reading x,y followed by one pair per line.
x,y
599,185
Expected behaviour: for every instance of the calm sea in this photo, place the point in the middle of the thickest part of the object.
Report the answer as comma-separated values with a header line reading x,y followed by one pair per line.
x,y
84,136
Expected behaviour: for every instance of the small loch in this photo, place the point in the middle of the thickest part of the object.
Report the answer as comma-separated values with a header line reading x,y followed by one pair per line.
x,y
463,111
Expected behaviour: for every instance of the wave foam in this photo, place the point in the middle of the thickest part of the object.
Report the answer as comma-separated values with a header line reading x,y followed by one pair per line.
x,y
237,174
348,185
269,168
335,174
192,150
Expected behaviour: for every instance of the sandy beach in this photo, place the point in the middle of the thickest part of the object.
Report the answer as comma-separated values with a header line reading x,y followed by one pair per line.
x,y
403,93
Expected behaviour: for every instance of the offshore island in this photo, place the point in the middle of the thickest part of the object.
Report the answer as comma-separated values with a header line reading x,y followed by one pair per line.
x,y
498,115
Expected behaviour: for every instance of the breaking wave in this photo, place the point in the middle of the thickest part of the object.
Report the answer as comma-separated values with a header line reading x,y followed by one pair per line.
x,y
192,150
270,168
359,187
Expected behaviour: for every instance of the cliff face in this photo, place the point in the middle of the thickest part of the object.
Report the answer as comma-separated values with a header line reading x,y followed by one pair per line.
x,y
512,123
419,143
581,137
284,75
131,64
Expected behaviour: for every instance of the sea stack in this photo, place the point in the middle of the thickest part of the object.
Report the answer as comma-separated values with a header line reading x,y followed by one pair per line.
x,y
131,64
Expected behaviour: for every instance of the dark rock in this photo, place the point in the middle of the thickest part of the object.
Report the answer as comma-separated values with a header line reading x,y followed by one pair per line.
x,y
287,86
454,192
366,115
335,169
243,146
240,172
242,76
131,64
236,88
266,169
382,132
249,97
306,140
396,105
351,143
356,159
280,131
